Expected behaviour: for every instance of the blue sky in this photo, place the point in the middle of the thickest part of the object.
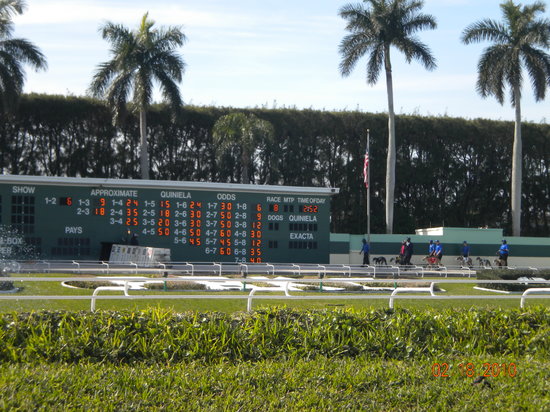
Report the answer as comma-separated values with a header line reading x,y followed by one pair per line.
x,y
245,53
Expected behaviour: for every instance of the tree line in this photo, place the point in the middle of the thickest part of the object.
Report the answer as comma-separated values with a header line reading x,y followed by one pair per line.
x,y
148,55
450,171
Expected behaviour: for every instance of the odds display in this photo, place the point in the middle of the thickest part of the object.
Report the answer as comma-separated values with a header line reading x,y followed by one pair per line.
x,y
79,218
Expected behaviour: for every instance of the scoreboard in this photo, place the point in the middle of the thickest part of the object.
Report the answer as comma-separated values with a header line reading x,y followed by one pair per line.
x,y
80,218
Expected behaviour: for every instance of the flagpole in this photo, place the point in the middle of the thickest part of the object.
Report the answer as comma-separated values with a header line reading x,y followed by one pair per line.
x,y
368,189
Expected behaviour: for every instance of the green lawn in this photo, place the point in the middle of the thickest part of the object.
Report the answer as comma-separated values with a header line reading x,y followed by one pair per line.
x,y
275,360
316,385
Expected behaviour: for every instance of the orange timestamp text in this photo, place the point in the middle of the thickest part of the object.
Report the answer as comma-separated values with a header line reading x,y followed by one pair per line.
x,y
470,369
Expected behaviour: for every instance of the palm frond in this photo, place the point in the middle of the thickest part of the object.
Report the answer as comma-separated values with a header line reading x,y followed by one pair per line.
x,y
25,53
492,73
8,10
419,22
14,54
375,64
537,64
352,48
378,24
485,30
414,49
117,94
170,91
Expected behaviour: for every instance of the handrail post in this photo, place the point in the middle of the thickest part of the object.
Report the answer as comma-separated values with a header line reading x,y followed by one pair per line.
x,y
244,274
106,264
192,268
529,292
77,265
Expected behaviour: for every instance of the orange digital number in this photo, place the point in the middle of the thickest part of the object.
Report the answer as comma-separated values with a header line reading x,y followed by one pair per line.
x,y
131,221
439,370
163,222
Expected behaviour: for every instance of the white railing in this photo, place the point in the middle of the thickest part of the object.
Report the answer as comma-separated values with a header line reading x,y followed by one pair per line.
x,y
285,284
532,291
221,268
265,289
124,289
397,290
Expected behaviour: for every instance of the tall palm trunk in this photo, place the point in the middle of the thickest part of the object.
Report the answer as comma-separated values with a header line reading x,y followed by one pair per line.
x,y
516,167
144,149
390,164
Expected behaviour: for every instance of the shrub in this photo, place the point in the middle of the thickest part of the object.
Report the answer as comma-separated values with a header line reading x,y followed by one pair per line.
x,y
5,285
82,284
171,285
512,274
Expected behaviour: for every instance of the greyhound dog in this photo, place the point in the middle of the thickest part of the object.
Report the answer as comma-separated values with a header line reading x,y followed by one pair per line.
x,y
466,261
499,262
398,260
484,262
380,261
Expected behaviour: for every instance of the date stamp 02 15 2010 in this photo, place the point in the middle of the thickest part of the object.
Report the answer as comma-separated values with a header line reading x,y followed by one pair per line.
x,y
469,369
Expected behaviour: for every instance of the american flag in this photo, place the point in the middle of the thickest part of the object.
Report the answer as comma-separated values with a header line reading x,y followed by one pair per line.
x,y
366,170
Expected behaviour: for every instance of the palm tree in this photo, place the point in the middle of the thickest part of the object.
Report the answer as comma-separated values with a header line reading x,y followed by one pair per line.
x,y
519,42
243,131
14,53
140,58
374,28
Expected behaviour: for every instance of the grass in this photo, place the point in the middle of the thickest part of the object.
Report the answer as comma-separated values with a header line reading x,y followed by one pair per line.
x,y
316,385
277,359
160,336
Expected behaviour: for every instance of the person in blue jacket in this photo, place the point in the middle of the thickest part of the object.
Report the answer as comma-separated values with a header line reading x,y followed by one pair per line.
x,y
466,254
438,252
431,248
465,250
503,253
365,249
